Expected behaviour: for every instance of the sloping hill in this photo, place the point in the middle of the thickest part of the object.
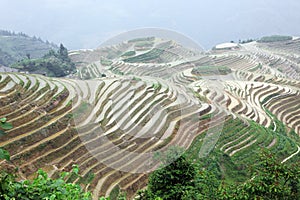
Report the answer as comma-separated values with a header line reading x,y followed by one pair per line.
x,y
14,47
228,103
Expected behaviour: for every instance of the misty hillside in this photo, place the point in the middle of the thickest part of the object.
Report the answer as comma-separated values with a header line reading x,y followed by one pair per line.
x,y
17,46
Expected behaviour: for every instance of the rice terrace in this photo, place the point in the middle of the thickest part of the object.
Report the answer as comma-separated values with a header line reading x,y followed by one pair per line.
x,y
117,105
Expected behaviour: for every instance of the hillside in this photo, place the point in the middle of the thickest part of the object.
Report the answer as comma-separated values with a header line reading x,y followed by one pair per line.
x,y
128,101
52,64
17,46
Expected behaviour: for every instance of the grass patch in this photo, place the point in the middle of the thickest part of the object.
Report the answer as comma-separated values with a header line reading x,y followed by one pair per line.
x,y
105,62
141,39
151,55
128,53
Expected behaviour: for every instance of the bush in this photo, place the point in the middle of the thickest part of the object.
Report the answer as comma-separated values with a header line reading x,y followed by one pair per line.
x,y
42,187
271,180
173,178
183,179
4,125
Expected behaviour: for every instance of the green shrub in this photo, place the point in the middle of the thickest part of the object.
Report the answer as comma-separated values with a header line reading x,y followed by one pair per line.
x,y
42,187
4,125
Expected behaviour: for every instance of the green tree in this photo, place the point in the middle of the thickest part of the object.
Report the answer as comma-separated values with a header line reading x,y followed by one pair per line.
x,y
206,186
63,53
185,180
172,179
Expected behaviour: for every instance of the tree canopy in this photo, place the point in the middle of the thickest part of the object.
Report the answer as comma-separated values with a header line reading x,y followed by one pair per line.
x,y
183,179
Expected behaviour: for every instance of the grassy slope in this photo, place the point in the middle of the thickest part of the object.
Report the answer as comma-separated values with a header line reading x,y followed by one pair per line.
x,y
236,168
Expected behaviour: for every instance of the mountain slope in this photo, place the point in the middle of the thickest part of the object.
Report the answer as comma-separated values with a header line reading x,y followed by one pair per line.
x,y
14,47
111,124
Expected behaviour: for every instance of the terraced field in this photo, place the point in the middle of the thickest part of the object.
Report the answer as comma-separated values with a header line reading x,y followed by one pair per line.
x,y
101,125
120,108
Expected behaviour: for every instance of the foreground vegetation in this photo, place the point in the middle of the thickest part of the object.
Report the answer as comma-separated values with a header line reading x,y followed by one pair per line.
x,y
183,179
178,178
42,187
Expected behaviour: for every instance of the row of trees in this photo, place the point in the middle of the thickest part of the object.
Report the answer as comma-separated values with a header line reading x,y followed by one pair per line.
x,y
12,33
21,34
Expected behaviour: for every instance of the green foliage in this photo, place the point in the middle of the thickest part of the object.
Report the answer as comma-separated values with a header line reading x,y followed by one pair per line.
x,y
206,116
4,125
4,154
136,78
269,97
199,96
280,127
271,180
275,38
259,66
146,57
117,71
175,176
156,86
42,187
206,186
105,62
184,180
56,64
128,53
115,194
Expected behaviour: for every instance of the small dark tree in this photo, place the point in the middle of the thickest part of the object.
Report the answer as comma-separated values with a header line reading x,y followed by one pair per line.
x,y
63,53
28,55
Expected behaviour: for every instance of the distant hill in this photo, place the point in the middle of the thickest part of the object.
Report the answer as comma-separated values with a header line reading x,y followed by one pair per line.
x,y
17,46
275,38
